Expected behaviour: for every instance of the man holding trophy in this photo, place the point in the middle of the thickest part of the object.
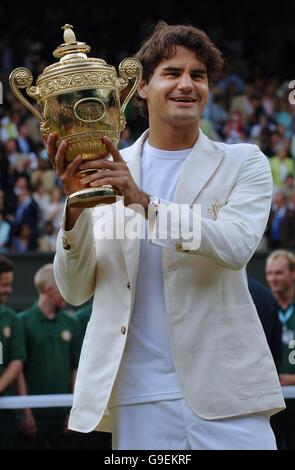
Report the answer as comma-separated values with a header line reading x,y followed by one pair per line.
x,y
174,355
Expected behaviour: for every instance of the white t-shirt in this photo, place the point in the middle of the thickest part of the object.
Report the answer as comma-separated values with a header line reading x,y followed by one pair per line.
x,y
147,371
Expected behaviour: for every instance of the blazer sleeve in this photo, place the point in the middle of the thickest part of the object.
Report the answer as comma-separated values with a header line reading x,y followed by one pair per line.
x,y
75,260
232,238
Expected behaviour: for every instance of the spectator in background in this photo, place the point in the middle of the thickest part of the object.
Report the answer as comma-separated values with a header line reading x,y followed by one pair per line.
x,y
53,345
19,163
47,241
242,103
281,224
291,204
281,166
5,182
260,133
215,111
26,213
292,144
4,233
33,126
56,206
24,141
234,132
266,307
12,354
43,174
283,116
280,275
289,185
22,240
278,140
9,126
268,98
42,197
257,110
5,226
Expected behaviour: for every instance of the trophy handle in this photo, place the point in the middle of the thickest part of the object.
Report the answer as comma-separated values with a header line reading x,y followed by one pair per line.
x,y
130,68
22,78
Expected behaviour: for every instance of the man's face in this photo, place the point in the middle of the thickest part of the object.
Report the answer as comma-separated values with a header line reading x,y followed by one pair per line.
x,y
278,275
178,90
279,201
56,297
6,280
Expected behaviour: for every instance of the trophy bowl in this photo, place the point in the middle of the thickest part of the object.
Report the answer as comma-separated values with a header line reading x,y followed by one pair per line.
x,y
79,99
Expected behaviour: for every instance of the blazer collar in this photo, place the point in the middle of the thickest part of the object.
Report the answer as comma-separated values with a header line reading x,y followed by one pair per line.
x,y
198,168
131,248
133,157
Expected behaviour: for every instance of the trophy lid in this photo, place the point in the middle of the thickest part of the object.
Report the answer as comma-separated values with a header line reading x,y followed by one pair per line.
x,y
71,45
72,53
74,70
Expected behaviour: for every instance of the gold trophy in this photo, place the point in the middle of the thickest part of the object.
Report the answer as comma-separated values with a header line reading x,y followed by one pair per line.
x,y
79,100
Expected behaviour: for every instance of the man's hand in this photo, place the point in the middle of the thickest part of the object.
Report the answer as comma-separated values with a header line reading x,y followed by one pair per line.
x,y
287,379
65,171
116,174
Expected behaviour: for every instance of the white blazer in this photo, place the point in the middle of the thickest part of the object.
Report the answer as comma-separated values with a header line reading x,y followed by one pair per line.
x,y
220,353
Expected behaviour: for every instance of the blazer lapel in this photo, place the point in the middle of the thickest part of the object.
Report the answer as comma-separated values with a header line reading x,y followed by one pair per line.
x,y
130,248
133,157
200,165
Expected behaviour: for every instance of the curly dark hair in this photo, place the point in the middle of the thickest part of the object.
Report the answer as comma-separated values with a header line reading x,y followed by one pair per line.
x,y
161,44
6,266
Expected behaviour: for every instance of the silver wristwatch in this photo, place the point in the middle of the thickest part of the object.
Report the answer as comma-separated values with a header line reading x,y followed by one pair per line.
x,y
154,203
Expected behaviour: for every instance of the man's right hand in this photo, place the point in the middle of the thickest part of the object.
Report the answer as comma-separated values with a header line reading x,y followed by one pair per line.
x,y
65,171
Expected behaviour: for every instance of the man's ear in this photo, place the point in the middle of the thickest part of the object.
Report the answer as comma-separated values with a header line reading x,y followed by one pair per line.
x,y
141,89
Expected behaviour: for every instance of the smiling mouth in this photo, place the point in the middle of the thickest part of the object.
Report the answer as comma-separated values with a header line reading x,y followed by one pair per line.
x,y
183,100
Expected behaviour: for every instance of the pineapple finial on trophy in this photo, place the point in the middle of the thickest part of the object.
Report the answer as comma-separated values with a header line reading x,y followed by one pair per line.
x,y
70,45
69,35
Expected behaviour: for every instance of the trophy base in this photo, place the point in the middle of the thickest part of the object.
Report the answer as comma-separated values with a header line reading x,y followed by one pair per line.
x,y
91,197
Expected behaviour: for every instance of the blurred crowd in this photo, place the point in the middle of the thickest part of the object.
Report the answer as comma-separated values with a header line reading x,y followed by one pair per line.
x,y
260,113
32,199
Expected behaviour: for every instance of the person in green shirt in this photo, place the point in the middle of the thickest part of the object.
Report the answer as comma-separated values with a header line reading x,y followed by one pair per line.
x,y
12,354
280,275
53,346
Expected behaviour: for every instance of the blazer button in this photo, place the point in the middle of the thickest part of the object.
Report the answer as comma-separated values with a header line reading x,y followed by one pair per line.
x,y
128,285
123,330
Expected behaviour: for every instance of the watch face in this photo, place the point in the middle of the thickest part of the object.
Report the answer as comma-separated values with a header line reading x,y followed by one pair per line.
x,y
154,200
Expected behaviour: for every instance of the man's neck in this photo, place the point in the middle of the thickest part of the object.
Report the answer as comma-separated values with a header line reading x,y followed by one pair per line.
x,y
285,298
172,138
46,308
